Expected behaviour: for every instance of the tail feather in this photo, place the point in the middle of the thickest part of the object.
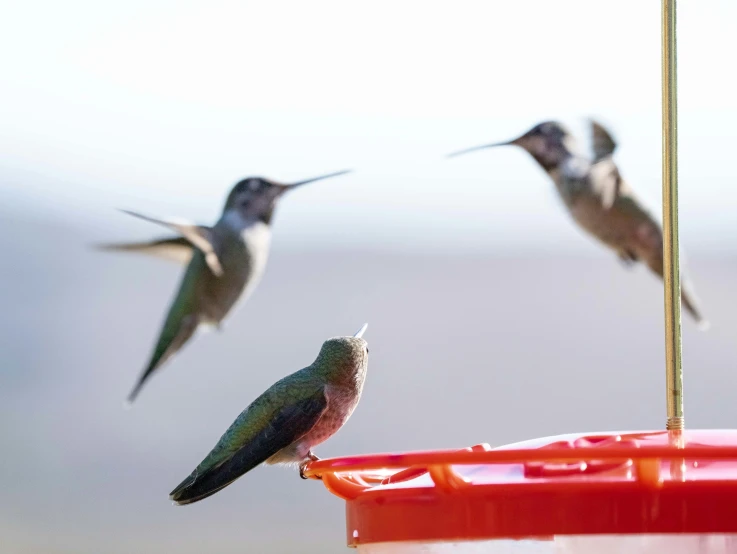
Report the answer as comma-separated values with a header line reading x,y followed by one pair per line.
x,y
691,304
155,363
183,496
689,300
168,345
197,487
137,388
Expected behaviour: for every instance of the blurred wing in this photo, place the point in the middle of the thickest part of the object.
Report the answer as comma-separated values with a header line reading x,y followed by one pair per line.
x,y
177,249
217,472
602,142
201,238
610,185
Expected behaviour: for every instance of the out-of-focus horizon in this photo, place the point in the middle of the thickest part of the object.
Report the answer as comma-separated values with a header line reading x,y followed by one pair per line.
x,y
164,105
492,317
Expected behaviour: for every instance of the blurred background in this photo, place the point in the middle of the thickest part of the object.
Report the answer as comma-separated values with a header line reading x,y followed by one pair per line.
x,y
492,317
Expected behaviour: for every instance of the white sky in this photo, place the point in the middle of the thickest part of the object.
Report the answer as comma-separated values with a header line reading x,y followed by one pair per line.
x,y
162,105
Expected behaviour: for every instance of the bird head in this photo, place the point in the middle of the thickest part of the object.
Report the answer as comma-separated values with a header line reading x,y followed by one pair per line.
x,y
255,197
548,142
343,356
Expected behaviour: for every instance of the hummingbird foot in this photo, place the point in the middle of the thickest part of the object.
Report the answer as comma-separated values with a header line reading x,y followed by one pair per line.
x,y
310,458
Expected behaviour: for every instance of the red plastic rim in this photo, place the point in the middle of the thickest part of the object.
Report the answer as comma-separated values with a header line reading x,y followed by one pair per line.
x,y
607,483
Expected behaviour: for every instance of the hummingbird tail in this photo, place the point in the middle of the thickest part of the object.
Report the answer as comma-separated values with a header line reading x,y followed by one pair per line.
x,y
182,496
690,303
199,486
171,340
689,300
134,393
702,323
128,404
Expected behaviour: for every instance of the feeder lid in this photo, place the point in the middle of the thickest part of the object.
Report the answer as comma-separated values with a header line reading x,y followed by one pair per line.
x,y
577,484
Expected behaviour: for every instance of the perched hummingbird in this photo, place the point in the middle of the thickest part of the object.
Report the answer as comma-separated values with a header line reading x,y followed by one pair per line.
x,y
599,199
225,262
285,423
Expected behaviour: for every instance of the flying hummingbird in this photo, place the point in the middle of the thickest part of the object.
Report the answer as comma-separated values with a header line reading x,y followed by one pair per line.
x,y
285,423
224,262
599,199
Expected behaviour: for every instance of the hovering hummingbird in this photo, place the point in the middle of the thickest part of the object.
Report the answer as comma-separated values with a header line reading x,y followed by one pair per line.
x,y
285,423
599,199
225,262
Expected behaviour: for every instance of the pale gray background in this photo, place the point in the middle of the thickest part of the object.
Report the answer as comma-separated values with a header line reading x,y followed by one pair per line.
x,y
492,318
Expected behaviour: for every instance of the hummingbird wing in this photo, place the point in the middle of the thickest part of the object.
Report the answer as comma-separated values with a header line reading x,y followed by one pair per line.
x,y
177,249
201,237
602,142
610,183
608,179
256,435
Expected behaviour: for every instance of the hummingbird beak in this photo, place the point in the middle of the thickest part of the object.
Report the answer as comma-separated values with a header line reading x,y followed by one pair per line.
x,y
493,145
361,331
285,188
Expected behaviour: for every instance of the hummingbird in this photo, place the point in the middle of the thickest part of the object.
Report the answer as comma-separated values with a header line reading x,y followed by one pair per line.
x,y
599,199
286,422
224,262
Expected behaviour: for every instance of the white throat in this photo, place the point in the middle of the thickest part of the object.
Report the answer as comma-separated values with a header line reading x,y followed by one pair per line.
x,y
255,234
237,222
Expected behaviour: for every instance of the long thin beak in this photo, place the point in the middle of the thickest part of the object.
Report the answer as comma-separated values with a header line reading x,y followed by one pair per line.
x,y
328,176
361,331
493,145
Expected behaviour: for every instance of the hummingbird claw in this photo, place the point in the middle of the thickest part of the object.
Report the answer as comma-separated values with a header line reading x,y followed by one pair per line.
x,y
302,467
310,458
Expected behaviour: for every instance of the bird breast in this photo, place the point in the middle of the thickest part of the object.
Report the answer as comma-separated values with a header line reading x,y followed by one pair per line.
x,y
341,404
256,239
244,259
613,226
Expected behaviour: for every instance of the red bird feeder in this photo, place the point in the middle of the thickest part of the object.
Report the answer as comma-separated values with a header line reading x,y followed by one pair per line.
x,y
633,492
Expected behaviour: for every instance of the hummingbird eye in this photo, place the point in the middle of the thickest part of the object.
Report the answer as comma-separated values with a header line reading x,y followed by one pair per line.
x,y
244,200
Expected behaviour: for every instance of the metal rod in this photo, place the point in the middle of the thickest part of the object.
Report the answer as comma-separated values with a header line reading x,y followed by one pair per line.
x,y
671,265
